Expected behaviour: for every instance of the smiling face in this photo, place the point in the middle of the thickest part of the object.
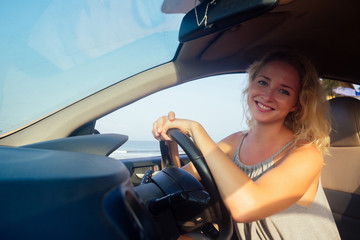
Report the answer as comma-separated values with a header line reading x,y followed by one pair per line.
x,y
274,92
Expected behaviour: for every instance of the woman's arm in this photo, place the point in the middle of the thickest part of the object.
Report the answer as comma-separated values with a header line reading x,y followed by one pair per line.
x,y
248,200
225,145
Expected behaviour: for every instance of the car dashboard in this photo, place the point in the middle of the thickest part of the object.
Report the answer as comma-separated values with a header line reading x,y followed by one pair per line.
x,y
58,194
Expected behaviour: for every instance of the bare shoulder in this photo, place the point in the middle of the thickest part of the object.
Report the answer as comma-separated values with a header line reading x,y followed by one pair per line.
x,y
306,148
306,155
229,144
232,139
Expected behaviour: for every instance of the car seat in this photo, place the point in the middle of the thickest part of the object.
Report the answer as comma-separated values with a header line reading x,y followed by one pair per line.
x,y
341,171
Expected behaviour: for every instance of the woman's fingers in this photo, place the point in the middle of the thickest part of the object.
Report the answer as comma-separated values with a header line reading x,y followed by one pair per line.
x,y
160,126
155,130
171,116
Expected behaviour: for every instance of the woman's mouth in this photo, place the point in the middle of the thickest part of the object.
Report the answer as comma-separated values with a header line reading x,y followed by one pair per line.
x,y
263,107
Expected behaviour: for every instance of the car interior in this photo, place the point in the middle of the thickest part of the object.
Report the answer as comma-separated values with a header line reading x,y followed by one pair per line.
x,y
56,177
340,176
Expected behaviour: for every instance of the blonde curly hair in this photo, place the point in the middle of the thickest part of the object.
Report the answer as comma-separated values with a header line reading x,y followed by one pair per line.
x,y
310,121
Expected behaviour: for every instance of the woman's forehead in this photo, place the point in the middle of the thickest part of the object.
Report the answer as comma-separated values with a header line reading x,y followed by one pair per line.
x,y
280,71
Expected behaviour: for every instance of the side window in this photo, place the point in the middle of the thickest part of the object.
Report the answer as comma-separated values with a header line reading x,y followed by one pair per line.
x,y
215,102
335,89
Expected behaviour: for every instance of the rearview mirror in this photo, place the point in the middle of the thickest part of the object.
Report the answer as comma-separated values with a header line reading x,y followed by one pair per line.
x,y
218,15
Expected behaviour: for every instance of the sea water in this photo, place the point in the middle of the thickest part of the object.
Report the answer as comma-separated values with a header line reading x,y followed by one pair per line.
x,y
137,149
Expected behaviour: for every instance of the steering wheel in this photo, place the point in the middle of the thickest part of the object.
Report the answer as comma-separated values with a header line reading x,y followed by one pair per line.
x,y
222,215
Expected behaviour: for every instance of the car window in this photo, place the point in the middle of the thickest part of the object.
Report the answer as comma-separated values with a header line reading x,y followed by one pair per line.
x,y
54,53
335,89
216,102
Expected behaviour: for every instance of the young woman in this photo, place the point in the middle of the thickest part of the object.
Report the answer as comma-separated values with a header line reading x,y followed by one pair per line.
x,y
269,176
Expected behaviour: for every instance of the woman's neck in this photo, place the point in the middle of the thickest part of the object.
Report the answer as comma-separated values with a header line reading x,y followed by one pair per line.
x,y
266,133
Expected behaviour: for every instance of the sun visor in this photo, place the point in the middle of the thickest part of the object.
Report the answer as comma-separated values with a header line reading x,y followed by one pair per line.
x,y
218,15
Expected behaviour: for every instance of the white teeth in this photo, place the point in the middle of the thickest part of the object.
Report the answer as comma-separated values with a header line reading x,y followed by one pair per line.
x,y
263,107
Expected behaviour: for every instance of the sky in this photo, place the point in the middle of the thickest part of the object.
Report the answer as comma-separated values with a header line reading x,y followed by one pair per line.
x,y
54,53
215,102
53,59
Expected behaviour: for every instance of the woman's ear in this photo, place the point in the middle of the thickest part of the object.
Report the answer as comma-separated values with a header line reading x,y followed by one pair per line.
x,y
295,107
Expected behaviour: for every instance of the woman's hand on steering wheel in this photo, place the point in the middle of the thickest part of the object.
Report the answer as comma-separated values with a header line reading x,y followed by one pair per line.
x,y
159,124
164,123
171,145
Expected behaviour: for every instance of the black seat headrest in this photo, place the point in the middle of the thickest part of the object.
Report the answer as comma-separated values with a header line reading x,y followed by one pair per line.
x,y
345,122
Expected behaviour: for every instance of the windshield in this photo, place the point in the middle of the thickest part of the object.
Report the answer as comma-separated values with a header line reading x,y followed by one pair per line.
x,y
55,52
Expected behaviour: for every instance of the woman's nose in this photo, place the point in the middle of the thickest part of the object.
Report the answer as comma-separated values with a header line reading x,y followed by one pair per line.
x,y
268,94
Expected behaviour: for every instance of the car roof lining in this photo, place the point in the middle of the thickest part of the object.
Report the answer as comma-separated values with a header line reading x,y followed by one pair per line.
x,y
285,26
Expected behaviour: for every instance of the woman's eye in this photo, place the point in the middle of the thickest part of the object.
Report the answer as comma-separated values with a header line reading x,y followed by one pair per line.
x,y
262,83
283,91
